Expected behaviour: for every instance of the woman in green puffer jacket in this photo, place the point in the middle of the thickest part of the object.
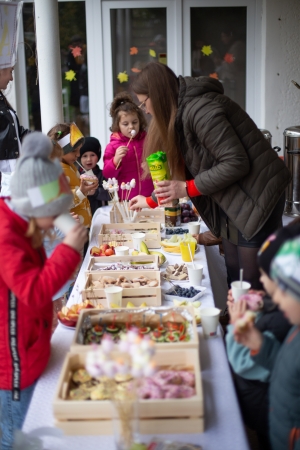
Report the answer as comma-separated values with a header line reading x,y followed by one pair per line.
x,y
217,156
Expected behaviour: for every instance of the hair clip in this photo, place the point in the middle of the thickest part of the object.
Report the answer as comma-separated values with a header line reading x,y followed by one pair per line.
x,y
59,133
121,103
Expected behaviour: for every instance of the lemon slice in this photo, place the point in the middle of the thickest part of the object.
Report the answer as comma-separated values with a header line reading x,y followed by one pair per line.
x,y
130,305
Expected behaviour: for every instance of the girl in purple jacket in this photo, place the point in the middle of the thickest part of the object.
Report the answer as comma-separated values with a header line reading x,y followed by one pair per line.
x,y
123,155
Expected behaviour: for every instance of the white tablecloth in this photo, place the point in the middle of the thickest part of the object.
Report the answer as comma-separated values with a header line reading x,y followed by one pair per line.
x,y
223,424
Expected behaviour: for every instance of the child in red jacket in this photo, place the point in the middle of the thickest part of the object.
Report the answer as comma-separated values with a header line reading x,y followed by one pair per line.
x,y
123,155
28,281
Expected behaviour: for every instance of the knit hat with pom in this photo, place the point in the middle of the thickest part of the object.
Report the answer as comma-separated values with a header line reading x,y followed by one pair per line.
x,y
38,186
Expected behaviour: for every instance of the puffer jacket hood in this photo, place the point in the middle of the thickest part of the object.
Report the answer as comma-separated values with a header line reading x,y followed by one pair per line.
x,y
234,166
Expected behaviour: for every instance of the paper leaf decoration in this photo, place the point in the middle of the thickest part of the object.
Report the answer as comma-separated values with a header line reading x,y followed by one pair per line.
x,y
122,77
70,75
76,51
134,50
214,75
135,70
152,53
206,50
229,58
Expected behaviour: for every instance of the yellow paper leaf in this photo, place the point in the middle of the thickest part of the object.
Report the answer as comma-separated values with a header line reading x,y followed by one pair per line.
x,y
206,50
152,53
70,75
122,77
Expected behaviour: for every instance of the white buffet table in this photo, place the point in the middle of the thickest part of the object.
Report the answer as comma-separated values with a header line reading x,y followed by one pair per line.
x,y
223,424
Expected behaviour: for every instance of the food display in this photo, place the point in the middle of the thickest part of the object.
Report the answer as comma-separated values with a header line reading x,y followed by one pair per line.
x,y
165,383
176,230
121,234
131,266
180,291
122,281
103,250
172,245
176,272
188,214
144,250
69,316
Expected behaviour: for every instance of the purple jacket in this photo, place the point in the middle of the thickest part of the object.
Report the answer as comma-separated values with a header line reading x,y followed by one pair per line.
x,y
130,166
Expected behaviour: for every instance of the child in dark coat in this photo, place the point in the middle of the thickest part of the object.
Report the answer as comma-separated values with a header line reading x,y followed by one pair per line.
x,y
90,153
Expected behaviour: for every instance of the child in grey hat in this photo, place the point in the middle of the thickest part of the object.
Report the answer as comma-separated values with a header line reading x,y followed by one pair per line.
x,y
283,360
28,280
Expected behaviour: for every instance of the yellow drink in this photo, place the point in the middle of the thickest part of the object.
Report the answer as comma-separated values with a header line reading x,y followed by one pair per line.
x,y
185,251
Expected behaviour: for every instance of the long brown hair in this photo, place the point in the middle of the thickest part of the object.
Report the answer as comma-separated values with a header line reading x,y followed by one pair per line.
x,y
160,84
123,103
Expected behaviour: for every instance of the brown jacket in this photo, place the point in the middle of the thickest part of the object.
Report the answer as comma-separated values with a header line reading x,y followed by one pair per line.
x,y
233,165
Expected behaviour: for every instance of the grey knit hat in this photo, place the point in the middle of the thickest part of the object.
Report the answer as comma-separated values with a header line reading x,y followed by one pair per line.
x,y
38,186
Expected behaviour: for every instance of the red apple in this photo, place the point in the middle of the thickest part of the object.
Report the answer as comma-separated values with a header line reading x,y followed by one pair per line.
x,y
109,252
104,247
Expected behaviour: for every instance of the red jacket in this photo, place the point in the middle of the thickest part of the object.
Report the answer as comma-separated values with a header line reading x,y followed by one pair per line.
x,y
130,166
28,282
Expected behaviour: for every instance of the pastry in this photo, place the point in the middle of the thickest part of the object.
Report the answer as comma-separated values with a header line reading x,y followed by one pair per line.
x,y
81,376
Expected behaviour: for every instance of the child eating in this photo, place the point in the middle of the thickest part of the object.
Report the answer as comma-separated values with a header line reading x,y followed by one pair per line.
x,y
123,155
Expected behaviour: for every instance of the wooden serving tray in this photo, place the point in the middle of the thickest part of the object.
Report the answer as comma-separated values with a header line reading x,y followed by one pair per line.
x,y
156,415
143,216
96,314
152,240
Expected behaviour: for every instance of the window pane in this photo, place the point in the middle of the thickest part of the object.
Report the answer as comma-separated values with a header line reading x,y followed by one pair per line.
x,y
72,28
138,36
218,46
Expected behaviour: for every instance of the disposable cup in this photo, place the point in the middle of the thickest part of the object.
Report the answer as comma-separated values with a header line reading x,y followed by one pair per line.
x,y
185,252
195,273
209,321
137,238
194,227
113,295
122,250
239,289
64,223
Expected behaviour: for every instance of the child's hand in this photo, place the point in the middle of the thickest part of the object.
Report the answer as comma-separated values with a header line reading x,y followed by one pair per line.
x,y
251,337
75,216
87,188
138,202
230,298
236,310
77,237
92,192
119,155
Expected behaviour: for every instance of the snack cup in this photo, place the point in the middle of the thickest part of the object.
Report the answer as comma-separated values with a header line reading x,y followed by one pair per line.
x,y
122,250
113,295
239,289
137,238
194,227
64,223
185,252
195,273
209,321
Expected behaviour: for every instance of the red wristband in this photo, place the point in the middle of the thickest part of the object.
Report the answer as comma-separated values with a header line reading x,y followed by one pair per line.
x,y
151,203
192,189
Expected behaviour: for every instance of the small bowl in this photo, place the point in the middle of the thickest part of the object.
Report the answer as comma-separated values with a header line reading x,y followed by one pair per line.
x,y
169,297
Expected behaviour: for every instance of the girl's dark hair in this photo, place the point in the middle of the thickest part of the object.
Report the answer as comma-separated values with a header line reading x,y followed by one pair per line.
x,y
123,103
160,84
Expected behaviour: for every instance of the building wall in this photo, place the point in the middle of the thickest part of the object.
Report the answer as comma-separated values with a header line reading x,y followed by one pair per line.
x,y
281,64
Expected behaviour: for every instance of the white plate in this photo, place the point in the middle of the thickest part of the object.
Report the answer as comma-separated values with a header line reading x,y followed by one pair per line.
x,y
202,290
179,254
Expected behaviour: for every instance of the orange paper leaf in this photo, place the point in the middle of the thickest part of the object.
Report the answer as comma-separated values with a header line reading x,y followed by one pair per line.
x,y
214,75
135,70
134,50
76,51
229,58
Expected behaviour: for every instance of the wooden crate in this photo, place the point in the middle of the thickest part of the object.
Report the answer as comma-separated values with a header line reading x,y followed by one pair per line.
x,y
106,260
133,295
136,318
145,215
152,240
156,415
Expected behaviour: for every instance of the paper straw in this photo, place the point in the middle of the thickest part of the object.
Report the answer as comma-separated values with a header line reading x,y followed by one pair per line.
x,y
80,166
191,255
241,277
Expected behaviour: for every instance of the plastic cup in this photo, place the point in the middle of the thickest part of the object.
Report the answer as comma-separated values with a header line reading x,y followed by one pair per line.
x,y
65,223
194,227
239,289
122,250
137,238
209,321
185,252
113,295
195,273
